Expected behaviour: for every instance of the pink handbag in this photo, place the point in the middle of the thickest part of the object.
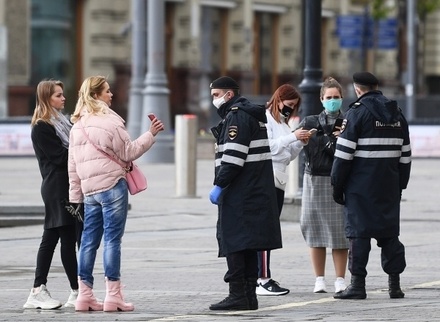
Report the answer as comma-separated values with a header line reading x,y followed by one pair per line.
x,y
136,180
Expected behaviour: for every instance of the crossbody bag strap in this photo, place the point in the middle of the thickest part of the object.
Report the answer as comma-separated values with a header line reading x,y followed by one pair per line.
x,y
322,122
126,168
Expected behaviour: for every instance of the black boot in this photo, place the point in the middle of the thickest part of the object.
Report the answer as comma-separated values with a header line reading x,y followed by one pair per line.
x,y
251,284
355,291
394,289
236,300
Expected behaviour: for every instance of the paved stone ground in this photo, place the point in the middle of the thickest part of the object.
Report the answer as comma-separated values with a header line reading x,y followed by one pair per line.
x,y
172,273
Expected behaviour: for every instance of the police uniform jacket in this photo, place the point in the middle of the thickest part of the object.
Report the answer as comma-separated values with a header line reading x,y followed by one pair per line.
x,y
319,152
372,164
52,161
248,213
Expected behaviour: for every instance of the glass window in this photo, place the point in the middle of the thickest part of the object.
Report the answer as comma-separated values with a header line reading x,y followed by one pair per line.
x,y
53,49
265,43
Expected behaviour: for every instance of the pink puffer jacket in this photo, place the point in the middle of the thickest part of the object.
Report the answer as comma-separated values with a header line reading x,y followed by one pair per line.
x,y
90,171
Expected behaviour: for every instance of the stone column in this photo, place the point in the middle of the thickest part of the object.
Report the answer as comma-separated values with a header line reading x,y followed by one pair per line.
x,y
3,72
412,50
156,92
138,53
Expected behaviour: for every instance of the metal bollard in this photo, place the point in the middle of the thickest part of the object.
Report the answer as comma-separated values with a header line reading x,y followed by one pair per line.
x,y
185,155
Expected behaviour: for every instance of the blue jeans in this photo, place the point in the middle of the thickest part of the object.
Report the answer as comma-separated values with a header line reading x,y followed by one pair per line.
x,y
105,213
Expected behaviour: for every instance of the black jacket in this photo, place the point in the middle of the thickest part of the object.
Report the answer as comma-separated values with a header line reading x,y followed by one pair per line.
x,y
319,152
248,213
372,165
52,161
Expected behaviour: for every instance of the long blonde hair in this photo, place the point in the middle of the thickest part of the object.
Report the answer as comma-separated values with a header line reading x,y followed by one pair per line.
x,y
43,110
90,88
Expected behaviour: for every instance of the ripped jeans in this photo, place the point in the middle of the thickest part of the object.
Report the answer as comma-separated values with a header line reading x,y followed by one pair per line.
x,y
105,214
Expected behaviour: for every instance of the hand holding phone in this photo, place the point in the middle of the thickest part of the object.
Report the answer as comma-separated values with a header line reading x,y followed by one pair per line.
x,y
337,126
156,125
312,131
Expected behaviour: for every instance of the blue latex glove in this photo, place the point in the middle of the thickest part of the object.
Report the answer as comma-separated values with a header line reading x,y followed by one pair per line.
x,y
214,195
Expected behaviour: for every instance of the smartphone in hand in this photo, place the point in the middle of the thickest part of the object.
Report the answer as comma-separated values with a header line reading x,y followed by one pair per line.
x,y
151,116
337,126
313,131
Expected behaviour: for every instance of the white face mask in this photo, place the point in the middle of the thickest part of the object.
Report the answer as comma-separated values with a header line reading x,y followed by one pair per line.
x,y
219,101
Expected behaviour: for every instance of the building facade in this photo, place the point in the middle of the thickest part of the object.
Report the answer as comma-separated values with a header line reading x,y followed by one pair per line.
x,y
258,42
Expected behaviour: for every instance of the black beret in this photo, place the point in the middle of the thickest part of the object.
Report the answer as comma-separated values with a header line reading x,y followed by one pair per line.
x,y
365,78
224,82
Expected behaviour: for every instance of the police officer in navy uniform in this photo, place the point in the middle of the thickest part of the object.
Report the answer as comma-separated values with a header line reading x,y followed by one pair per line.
x,y
244,191
371,167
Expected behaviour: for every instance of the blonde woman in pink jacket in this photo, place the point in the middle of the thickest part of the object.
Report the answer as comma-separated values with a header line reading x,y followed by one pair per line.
x,y
99,182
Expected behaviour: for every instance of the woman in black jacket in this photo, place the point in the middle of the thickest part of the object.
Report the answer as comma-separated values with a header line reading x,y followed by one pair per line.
x,y
322,220
50,139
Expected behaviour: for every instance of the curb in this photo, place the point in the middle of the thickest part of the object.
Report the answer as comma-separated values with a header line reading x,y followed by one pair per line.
x,y
21,215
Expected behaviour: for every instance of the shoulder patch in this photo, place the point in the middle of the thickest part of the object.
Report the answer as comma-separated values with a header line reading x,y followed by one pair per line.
x,y
234,108
232,132
344,124
357,104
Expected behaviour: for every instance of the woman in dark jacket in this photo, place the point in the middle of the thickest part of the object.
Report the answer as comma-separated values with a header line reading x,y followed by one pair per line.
x,y
322,219
50,135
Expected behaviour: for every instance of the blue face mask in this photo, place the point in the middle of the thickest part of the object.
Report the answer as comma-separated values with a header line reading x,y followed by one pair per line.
x,y
333,105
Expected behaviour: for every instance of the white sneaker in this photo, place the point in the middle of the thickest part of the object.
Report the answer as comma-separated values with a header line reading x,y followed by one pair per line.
x,y
320,285
271,288
340,285
40,299
72,299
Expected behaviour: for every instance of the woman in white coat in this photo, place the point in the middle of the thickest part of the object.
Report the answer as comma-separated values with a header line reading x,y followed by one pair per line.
x,y
285,145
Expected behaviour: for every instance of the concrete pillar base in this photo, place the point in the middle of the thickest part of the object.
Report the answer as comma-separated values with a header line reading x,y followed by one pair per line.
x,y
291,209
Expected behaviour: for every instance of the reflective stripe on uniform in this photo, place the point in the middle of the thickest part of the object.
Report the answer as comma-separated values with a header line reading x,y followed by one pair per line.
x,y
243,148
347,143
343,155
377,154
361,149
240,162
235,147
233,160
380,141
406,148
259,157
259,143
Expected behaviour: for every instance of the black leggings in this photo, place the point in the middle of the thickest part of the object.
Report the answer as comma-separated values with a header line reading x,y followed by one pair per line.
x,y
49,240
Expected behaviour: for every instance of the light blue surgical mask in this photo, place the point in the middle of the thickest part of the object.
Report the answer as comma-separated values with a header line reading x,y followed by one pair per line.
x,y
332,105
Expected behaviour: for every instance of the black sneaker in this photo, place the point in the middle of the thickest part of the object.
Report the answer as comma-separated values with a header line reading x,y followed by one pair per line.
x,y
271,288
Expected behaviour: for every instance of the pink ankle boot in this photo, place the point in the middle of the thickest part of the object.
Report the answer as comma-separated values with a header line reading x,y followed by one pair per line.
x,y
114,300
86,301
